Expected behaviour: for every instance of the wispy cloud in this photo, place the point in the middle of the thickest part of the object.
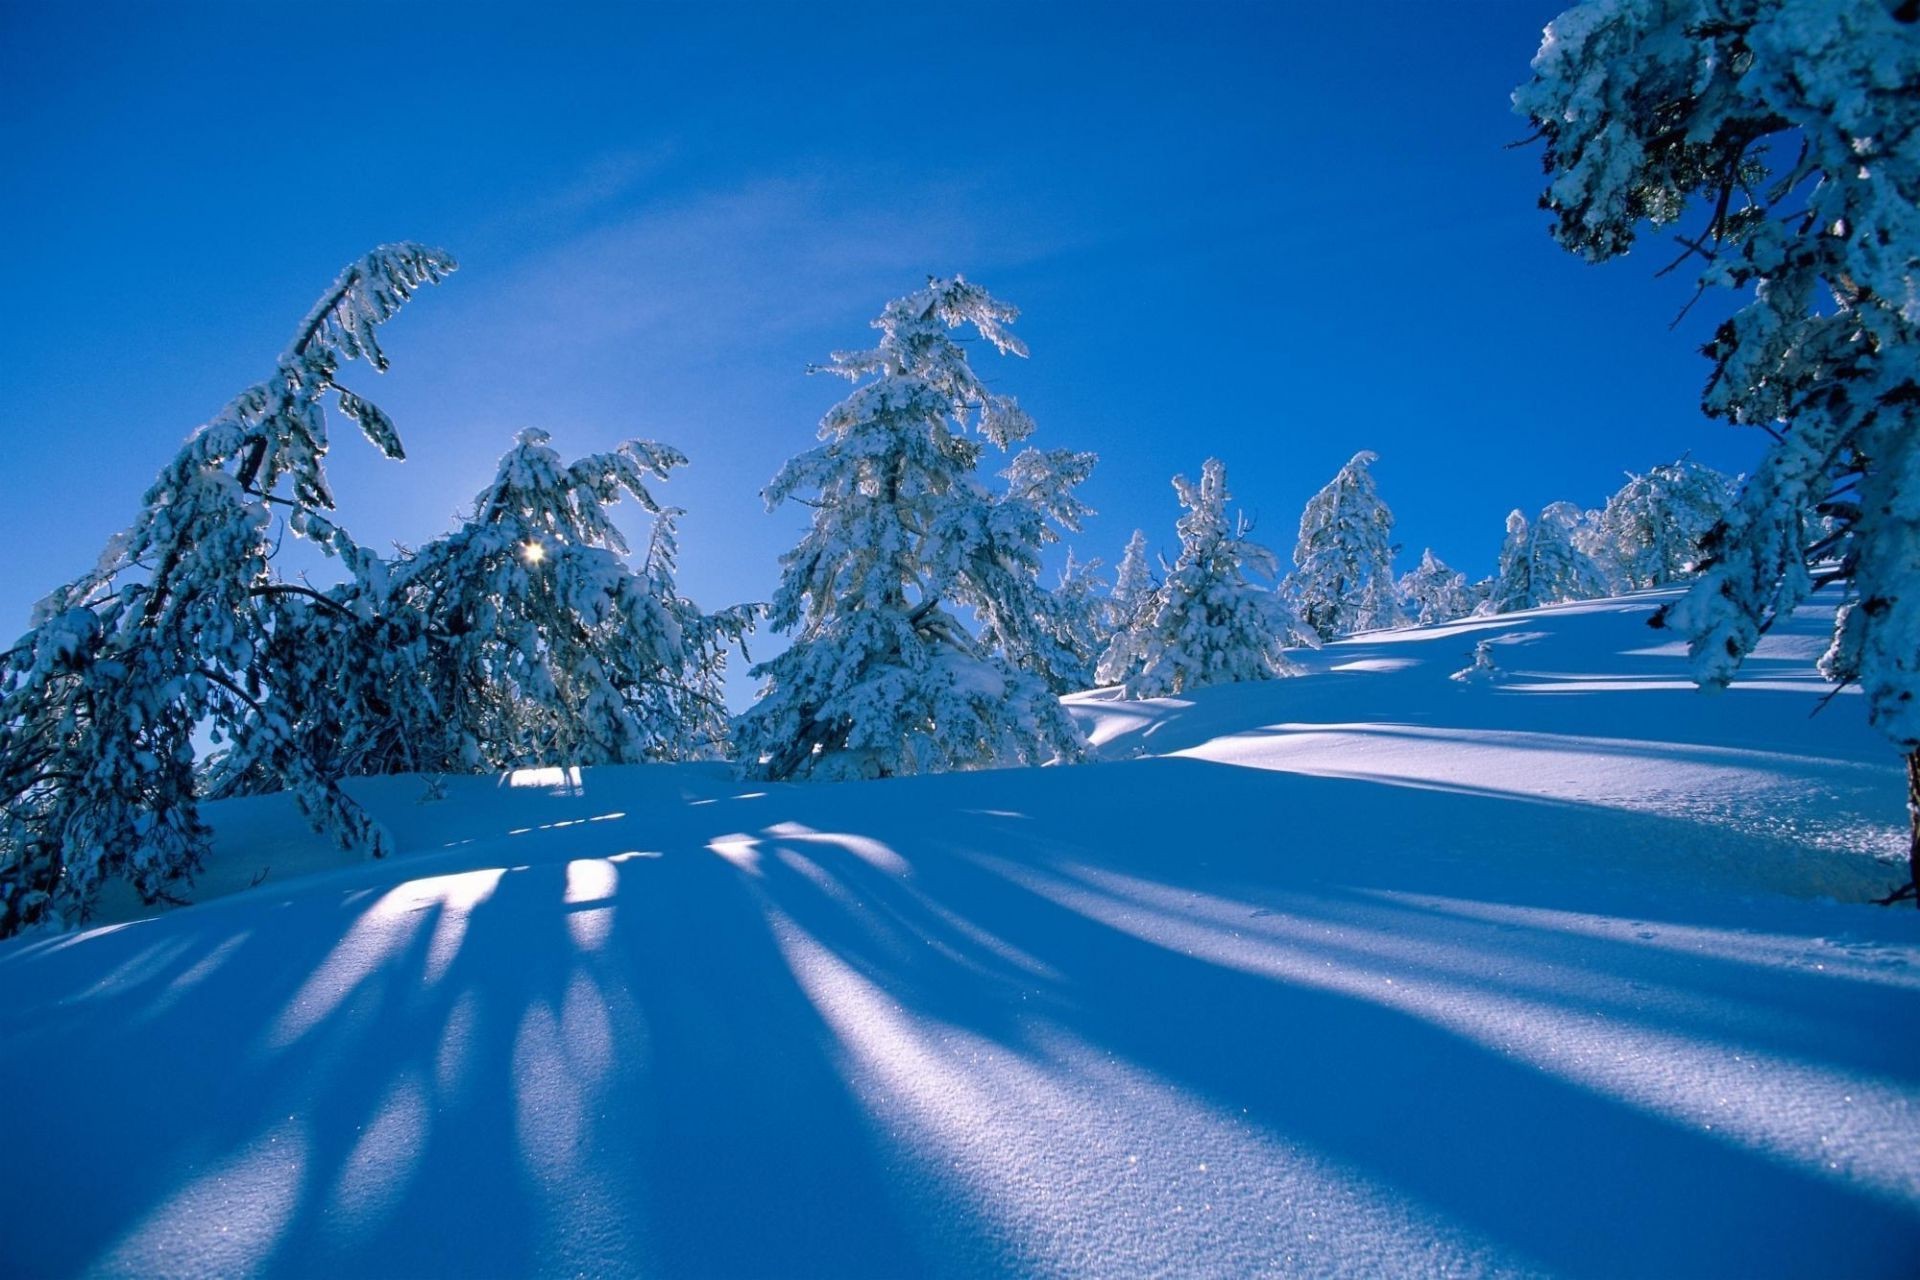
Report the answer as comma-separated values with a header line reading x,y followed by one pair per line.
x,y
767,258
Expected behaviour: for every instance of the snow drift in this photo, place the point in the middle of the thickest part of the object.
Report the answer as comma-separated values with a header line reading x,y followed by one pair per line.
x,y
1563,971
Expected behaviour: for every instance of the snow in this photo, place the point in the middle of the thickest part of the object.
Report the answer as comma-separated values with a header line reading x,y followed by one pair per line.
x,y
1366,972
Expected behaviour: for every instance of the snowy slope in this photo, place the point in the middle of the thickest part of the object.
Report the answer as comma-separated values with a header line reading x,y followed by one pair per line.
x,y
1367,972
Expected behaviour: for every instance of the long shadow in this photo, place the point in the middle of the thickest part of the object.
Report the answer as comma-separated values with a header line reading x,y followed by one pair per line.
x,y
612,1067
1560,1170
649,1093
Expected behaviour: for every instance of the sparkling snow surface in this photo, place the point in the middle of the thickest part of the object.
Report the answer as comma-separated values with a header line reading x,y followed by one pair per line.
x,y
1368,972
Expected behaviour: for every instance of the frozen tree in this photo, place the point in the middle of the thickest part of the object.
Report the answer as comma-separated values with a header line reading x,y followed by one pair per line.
x,y
1793,125
1079,611
523,638
1650,531
1134,586
882,677
1541,562
1435,593
1343,576
1209,624
1482,669
174,630
992,551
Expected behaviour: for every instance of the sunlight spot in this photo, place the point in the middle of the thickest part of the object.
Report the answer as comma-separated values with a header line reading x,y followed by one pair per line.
x,y
1032,1138
381,932
553,778
1762,1103
233,1215
585,1030
457,895
1377,664
865,848
194,976
532,552
548,1108
377,1170
591,880
742,850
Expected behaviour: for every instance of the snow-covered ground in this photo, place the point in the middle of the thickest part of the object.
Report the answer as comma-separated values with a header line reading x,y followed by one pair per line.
x,y
1368,972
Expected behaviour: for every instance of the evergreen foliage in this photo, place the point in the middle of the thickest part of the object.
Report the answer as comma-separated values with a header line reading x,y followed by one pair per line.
x,y
1343,576
882,677
1795,127
168,634
1209,624
522,638
1433,593
1541,562
1650,531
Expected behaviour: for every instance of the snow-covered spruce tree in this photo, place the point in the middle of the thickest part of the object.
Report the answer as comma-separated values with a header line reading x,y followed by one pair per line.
x,y
882,677
1130,609
1649,533
1134,587
1541,562
523,638
1209,624
1793,126
173,630
992,552
1080,607
1432,592
1343,563
545,646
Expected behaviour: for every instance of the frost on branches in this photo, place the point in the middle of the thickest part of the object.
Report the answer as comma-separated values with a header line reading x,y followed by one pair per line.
x,y
1650,532
1541,562
1081,611
1793,127
548,648
1343,576
1209,624
1434,593
524,638
883,678
100,700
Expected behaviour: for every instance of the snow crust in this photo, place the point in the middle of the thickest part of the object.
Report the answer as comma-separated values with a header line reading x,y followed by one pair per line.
x,y
1368,972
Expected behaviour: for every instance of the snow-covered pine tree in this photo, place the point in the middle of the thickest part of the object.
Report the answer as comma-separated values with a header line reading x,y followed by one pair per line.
x,y
882,677
1649,533
1081,610
1541,562
545,646
1343,576
1130,608
1134,587
1794,126
173,630
993,558
688,707
1432,592
1209,624
1512,586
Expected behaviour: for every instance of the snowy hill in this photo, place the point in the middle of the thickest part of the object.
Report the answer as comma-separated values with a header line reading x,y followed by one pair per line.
x,y
1367,972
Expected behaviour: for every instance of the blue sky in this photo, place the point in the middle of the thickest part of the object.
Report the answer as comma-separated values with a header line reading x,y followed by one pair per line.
x,y
1278,233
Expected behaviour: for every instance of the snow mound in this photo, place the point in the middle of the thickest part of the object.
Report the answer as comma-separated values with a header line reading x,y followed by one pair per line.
x,y
1366,972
